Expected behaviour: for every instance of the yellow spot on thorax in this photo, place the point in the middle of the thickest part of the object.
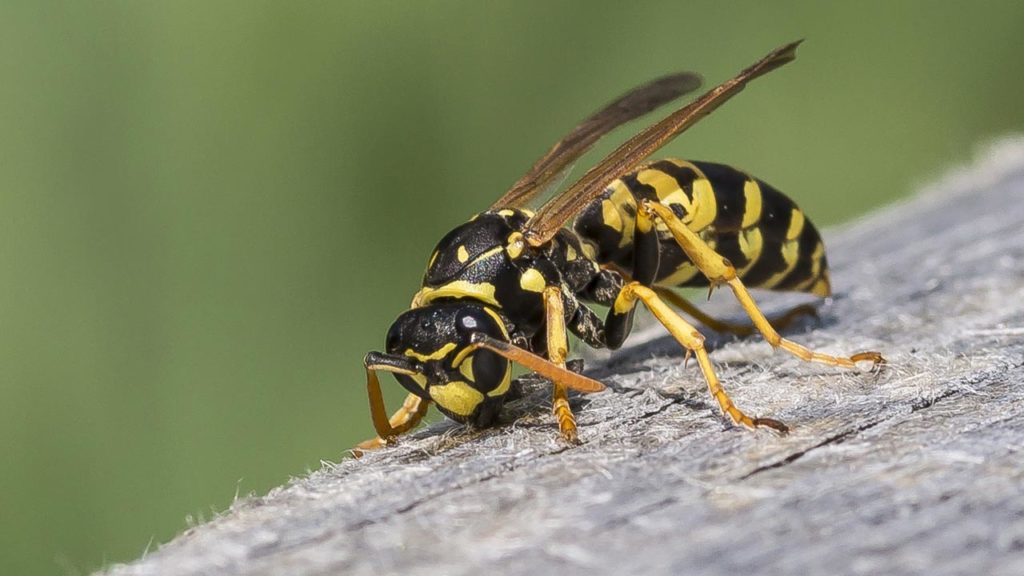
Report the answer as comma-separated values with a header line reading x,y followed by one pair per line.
x,y
515,246
462,254
532,280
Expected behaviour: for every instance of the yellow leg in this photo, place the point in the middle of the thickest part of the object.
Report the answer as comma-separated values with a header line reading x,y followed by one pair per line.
x,y
404,419
782,320
693,341
720,271
674,298
558,349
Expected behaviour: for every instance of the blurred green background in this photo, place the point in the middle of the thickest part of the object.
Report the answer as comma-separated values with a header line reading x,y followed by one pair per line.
x,y
210,211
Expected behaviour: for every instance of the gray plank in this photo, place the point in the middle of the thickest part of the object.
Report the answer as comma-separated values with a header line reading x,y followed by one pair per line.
x,y
918,468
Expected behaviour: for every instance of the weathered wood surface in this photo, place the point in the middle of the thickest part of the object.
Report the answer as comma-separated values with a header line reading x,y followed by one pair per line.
x,y
919,468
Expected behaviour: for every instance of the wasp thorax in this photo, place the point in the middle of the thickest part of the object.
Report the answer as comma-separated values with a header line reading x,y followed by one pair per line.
x,y
440,362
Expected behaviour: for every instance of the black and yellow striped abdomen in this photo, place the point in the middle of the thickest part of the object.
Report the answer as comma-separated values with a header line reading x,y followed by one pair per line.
x,y
760,230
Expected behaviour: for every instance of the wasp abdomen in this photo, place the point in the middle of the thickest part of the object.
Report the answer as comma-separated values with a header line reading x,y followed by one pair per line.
x,y
759,229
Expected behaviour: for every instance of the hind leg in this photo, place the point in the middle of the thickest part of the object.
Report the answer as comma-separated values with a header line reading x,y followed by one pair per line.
x,y
720,271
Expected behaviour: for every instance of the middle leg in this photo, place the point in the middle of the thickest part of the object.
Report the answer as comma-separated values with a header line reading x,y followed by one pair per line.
x,y
558,349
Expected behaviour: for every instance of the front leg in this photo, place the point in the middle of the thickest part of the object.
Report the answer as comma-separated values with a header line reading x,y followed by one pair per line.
x,y
404,419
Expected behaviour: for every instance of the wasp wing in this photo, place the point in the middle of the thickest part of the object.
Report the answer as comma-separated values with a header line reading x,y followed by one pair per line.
x,y
553,215
559,159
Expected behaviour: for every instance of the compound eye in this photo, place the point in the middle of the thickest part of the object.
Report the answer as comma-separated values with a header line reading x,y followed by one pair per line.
x,y
489,369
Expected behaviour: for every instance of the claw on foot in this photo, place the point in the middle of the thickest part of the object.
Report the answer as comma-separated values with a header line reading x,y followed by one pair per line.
x,y
772,425
876,359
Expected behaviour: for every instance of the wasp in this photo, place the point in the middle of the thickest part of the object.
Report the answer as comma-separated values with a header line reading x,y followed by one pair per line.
x,y
509,285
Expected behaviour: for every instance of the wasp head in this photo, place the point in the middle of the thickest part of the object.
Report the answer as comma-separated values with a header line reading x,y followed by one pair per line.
x,y
431,352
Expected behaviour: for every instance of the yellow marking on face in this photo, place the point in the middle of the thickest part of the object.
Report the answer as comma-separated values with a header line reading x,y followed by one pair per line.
x,y
790,253
483,292
435,355
515,245
705,206
752,207
457,397
464,362
796,224
751,243
610,215
466,368
462,254
532,281
570,253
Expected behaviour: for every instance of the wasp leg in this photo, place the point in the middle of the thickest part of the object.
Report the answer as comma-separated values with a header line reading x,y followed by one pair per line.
x,y
675,299
780,321
720,271
404,419
691,339
558,349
